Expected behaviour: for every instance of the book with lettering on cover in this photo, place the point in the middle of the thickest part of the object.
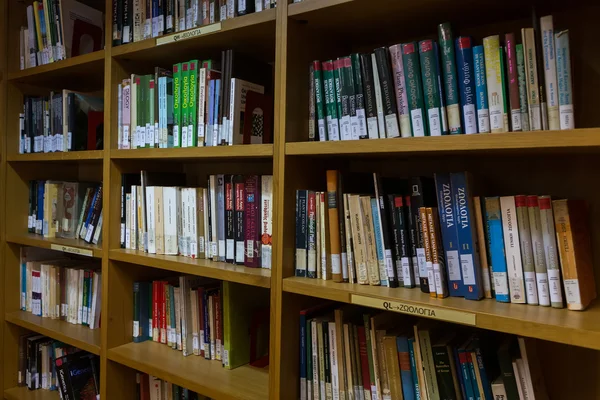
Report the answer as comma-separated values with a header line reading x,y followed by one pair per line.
x,y
537,245
366,65
449,77
493,72
343,99
331,107
437,253
428,253
334,225
466,83
388,96
563,72
384,232
349,89
360,97
531,74
522,81
400,89
301,232
526,249
512,248
551,251
320,101
422,194
481,91
550,76
412,77
430,87
513,83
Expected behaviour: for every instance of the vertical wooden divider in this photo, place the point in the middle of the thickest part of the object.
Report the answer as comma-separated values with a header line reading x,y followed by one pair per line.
x,y
3,90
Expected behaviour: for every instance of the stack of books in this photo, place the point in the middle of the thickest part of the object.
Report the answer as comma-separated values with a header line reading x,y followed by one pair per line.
x,y
55,29
344,354
434,234
197,103
451,86
135,20
151,388
63,121
71,210
230,220
202,317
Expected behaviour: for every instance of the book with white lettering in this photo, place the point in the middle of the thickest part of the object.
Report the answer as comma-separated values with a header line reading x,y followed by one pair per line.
x,y
512,248
493,72
549,61
526,249
266,227
531,77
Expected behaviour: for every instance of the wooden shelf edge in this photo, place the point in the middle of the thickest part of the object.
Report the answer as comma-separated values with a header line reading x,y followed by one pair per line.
x,y
58,330
72,246
22,393
305,6
209,378
58,156
55,66
585,139
238,151
532,321
259,277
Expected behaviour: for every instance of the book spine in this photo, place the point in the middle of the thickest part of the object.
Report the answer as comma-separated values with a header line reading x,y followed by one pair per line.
x,y
266,235
202,96
526,249
483,112
512,248
417,236
406,260
312,122
301,232
252,225
239,234
349,88
437,254
384,231
400,89
466,83
343,99
320,101
493,73
387,93
384,273
359,93
533,94
563,72
333,127
378,98
221,218
229,220
334,231
369,92
192,137
428,251
396,248
430,87
311,269
513,83
550,77
177,123
522,80
504,79
537,244
449,77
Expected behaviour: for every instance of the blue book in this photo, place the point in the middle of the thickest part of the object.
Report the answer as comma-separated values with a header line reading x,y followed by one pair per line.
x,y
24,286
406,372
378,242
485,382
466,373
459,373
468,251
476,394
90,213
413,367
40,208
448,226
493,219
466,83
483,112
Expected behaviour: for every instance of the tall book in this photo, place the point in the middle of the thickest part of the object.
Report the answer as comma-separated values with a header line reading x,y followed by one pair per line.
x,y
366,65
334,225
513,83
422,194
252,225
522,80
378,98
430,86
333,129
360,97
466,84
449,77
563,72
550,76
483,112
540,67
551,251
482,245
493,73
320,101
437,251
512,247
387,92
496,248
400,89
526,249
531,74
537,245
384,231
412,77
571,218
266,215
343,99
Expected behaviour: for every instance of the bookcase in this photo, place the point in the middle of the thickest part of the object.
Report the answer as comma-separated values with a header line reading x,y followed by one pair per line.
x,y
290,37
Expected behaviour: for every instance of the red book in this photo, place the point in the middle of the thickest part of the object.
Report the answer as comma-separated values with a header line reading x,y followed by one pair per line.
x,y
513,83
364,357
229,220
201,319
252,225
163,312
145,387
155,321
218,325
238,219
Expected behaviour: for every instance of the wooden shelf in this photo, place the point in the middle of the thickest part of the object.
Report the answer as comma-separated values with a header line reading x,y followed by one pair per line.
x,y
88,155
73,246
256,30
186,153
22,393
218,270
84,69
557,325
205,377
76,335
569,141
307,6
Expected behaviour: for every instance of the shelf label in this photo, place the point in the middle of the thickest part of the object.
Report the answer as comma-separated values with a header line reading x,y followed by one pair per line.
x,y
459,317
72,250
176,37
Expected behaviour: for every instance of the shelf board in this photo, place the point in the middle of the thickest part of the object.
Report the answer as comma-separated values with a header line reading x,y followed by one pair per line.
x,y
76,335
307,6
255,30
22,393
73,246
88,155
569,141
218,270
562,326
205,377
186,153
85,68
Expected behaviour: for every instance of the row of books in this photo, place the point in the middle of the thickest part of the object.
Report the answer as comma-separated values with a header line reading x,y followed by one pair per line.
x,y
134,20
63,121
48,364
59,288
439,237
202,317
231,220
451,87
151,388
71,210
198,103
344,354
59,29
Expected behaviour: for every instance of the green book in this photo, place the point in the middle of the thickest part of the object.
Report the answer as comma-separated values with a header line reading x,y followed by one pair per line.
x,y
430,87
145,114
445,371
522,86
343,99
504,86
449,79
337,97
185,98
348,74
367,322
360,97
176,392
193,104
412,76
85,302
151,103
319,101
177,105
333,128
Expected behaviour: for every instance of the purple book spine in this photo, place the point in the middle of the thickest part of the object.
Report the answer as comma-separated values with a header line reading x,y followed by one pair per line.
x,y
252,214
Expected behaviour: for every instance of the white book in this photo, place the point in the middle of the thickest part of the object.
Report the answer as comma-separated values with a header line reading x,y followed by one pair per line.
x,y
150,218
120,115
213,218
551,251
333,359
267,220
512,249
128,221
80,278
170,219
126,117
378,99
179,219
192,218
201,105
531,77
539,258
547,40
237,108
133,210
184,247
133,127
94,317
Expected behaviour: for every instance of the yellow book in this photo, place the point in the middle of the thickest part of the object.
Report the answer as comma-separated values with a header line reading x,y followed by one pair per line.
x,y
493,74
37,7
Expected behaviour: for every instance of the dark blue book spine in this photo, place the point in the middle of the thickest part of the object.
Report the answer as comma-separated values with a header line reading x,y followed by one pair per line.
x,y
459,373
473,376
466,83
466,374
413,368
39,229
448,225
469,255
406,375
485,382
91,210
483,112
144,288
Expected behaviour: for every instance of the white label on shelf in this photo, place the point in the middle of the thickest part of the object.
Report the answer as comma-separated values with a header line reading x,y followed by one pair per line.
x,y
416,117
190,140
430,276
213,251
184,136
222,248
195,344
435,126
535,118
566,117
469,117
250,248
406,271
531,287
72,250
542,287
176,136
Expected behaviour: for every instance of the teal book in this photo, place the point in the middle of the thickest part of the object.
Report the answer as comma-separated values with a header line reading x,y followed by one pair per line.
x,y
563,74
319,101
449,77
430,87
413,368
412,78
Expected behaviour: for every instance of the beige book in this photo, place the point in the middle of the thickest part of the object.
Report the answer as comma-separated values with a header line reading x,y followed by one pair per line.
x,y
383,368
428,365
531,77
393,367
520,378
53,293
358,240
477,373
371,250
159,227
348,238
375,358
532,369
325,243
348,362
437,253
481,243
341,350
419,365
428,253
195,322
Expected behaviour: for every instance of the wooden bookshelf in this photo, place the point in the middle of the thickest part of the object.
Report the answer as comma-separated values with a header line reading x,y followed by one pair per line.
x,y
560,163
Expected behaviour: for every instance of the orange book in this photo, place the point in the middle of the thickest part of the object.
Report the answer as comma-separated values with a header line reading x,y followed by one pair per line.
x,y
571,219
428,253
334,226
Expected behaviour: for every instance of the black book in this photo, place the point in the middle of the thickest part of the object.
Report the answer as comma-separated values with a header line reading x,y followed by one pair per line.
x,y
127,36
245,7
33,381
422,194
27,121
366,67
392,275
76,376
238,217
229,219
395,231
160,17
117,22
388,95
405,257
170,22
301,232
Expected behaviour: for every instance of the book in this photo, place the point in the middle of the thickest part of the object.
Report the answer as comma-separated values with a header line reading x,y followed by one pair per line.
x,y
493,72
481,241
334,225
496,243
466,84
522,80
360,97
531,74
512,247
513,83
526,249
412,76
432,95
366,65
537,244
400,89
449,77
550,76
551,251
301,232
388,96
481,91
380,112
563,73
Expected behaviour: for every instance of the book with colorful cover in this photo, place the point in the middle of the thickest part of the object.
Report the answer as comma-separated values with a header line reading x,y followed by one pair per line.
x,y
483,112
493,73
466,84
430,87
412,76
